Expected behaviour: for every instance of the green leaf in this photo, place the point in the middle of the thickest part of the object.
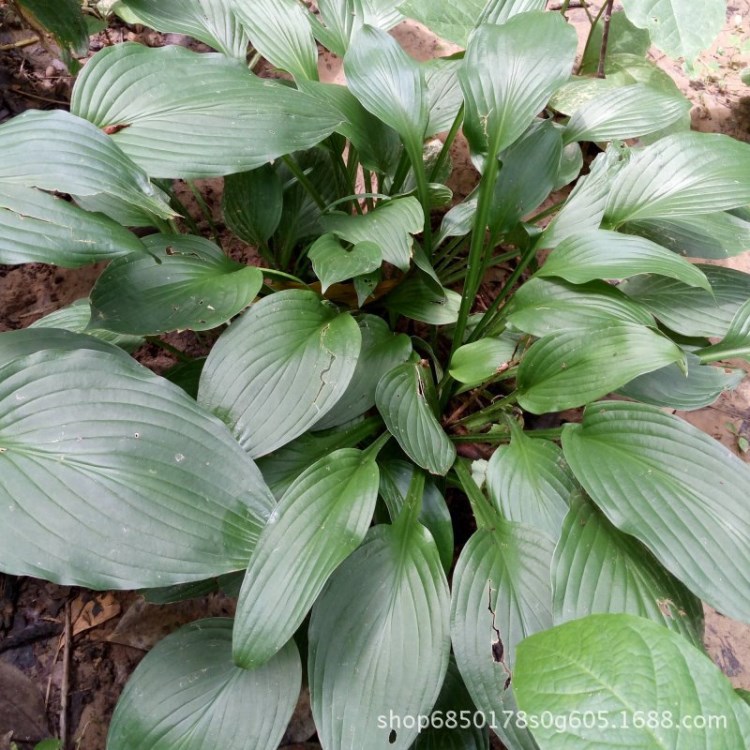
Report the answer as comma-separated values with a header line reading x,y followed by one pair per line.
x,y
39,228
334,263
103,457
626,112
672,487
213,22
188,694
416,298
381,351
280,368
736,342
284,465
624,38
716,236
501,593
601,254
57,151
252,204
182,283
395,479
646,687
76,317
444,95
529,482
479,361
670,387
281,32
678,27
388,83
182,592
572,368
454,704
543,306
390,226
321,519
505,80
341,19
681,175
403,398
63,19
226,121
599,570
689,310
379,640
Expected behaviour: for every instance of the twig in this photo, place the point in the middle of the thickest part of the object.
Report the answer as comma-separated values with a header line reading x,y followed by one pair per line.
x,y
65,687
33,633
31,95
20,43
605,39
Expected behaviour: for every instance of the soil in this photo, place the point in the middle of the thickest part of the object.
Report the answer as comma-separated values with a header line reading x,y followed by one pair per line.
x,y
113,630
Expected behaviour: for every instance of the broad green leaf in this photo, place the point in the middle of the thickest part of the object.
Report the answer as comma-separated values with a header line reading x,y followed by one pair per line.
x,y
333,263
719,235
36,227
252,203
678,27
645,686
681,175
501,593
578,91
444,95
459,220
454,704
670,387
404,400
213,22
379,640
675,489
584,209
183,282
388,83
341,19
76,317
281,32
529,482
395,478
543,306
188,694
505,80
572,368
390,226
63,19
112,476
626,112
321,519
601,254
187,375
416,298
284,465
280,368
500,11
571,164
378,146
624,38
479,361
60,152
538,151
736,342
226,121
689,310
599,570
381,351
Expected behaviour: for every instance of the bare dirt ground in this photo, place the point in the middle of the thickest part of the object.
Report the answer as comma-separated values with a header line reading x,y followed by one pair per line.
x,y
112,631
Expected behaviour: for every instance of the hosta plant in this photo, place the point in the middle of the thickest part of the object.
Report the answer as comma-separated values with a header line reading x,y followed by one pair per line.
x,y
315,461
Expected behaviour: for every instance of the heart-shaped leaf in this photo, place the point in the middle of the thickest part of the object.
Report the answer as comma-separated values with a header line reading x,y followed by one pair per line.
x,y
619,670
188,693
112,476
404,400
672,487
333,263
417,298
379,640
226,121
280,368
478,361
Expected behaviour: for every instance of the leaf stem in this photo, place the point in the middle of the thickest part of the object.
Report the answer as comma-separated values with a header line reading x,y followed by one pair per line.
x,y
445,151
180,355
303,180
483,512
416,156
605,38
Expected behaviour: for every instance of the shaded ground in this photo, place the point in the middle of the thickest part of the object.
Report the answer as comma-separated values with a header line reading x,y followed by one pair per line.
x,y
111,632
